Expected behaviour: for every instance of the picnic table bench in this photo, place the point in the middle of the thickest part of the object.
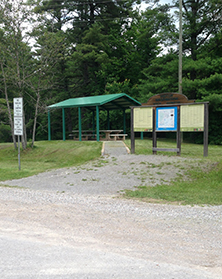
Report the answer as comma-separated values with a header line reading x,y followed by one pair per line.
x,y
84,135
109,133
118,136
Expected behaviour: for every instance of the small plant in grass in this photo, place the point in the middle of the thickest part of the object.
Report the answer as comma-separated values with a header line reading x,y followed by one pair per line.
x,y
95,179
202,189
8,186
160,165
151,165
100,163
160,173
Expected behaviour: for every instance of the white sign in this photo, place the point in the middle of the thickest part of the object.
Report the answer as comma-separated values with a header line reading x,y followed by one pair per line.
x,y
18,106
18,116
18,126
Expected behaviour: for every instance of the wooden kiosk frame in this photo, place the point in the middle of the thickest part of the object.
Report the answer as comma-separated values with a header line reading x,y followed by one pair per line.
x,y
176,104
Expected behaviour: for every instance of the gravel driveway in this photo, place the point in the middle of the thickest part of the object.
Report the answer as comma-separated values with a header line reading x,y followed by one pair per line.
x,y
70,223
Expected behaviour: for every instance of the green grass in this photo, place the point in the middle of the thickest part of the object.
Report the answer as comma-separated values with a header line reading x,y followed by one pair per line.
x,y
204,186
206,190
188,150
46,155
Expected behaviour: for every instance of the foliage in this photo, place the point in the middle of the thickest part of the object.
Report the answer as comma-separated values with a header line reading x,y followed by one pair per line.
x,y
55,50
202,19
5,133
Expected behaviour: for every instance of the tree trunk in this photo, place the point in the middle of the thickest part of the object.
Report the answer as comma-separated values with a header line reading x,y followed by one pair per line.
x,y
8,107
35,119
24,136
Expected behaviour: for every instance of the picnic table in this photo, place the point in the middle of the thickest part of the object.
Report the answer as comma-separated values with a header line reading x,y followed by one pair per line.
x,y
91,134
86,134
110,133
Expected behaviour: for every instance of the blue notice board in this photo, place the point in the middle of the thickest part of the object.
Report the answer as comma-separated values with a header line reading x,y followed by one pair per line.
x,y
166,119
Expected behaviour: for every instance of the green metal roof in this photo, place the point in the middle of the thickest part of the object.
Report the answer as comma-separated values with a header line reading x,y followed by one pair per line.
x,y
106,102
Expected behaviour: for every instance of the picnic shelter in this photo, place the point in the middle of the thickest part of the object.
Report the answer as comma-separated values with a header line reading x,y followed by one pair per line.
x,y
120,101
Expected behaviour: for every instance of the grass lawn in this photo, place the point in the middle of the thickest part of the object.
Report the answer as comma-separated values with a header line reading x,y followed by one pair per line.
x,y
204,187
46,155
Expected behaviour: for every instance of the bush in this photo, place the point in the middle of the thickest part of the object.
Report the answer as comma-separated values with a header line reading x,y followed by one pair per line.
x,y
5,133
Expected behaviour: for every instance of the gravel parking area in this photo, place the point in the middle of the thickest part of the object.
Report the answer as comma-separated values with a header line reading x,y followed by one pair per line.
x,y
109,175
70,223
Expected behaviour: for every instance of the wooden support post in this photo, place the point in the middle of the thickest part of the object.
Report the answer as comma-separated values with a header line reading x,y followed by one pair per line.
x,y
206,112
132,133
154,131
178,132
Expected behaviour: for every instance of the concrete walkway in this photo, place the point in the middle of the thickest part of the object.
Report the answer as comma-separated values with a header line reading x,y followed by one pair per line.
x,y
114,148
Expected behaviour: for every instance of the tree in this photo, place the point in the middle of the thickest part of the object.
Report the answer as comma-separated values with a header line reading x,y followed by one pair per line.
x,y
45,59
86,63
5,128
161,76
27,72
14,54
202,21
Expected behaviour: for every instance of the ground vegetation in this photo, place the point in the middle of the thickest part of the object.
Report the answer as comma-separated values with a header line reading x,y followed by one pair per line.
x,y
54,50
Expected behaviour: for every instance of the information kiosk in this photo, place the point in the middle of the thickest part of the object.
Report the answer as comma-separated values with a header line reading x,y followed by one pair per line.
x,y
170,112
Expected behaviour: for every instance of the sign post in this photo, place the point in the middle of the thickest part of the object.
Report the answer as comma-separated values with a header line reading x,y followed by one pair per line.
x,y
18,122
172,112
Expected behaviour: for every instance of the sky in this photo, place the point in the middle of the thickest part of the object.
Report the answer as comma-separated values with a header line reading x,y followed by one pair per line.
x,y
144,5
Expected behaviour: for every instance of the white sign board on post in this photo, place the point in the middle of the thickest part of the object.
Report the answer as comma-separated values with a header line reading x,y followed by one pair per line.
x,y
18,122
18,116
18,126
18,105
